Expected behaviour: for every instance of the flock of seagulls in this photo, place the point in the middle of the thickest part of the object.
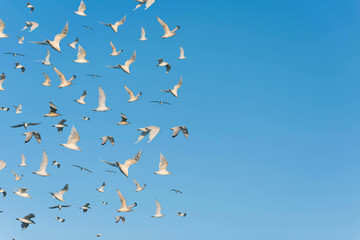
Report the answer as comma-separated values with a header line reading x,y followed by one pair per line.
x,y
74,137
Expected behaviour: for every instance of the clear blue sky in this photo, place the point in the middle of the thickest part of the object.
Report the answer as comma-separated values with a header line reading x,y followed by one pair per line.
x,y
269,95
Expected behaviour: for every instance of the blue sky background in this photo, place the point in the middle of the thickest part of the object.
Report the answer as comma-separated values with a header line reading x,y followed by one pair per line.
x,y
269,94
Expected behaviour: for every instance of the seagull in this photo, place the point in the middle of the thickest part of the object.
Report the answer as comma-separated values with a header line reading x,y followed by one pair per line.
x,y
82,168
74,137
22,192
2,79
53,111
60,206
2,27
182,56
123,120
101,107
73,44
138,188
142,2
114,52
47,59
5,109
81,9
60,126
43,165
47,81
59,195
98,235
127,64
132,97
2,164
17,178
143,33
19,66
164,64
28,5
82,98
124,207
177,129
86,118
64,82
88,28
180,214
101,189
93,75
105,203
167,33
22,164
158,210
109,171
161,102
32,25
86,207
21,40
18,109
25,125
25,221
117,219
124,168
29,135
176,87
60,219
162,166
115,26
3,192
55,163
153,130
81,56
106,138
55,44
176,191
14,54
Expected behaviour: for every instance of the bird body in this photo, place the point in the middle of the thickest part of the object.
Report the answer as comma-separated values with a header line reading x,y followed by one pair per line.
x,y
123,120
115,26
175,89
60,125
22,192
124,207
158,213
81,9
81,100
167,31
114,52
43,166
133,98
60,195
2,27
74,137
138,187
162,166
81,56
102,98
53,111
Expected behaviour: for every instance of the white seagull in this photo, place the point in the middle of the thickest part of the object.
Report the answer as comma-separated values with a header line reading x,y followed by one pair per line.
x,y
82,98
2,164
138,187
47,81
21,40
25,221
153,130
59,207
53,111
47,59
124,207
60,219
106,138
86,207
43,166
143,33
55,44
175,89
126,66
102,98
63,81
115,26
23,163
164,64
60,195
2,79
60,126
29,5
158,210
74,137
114,52
81,56
124,168
177,129
142,2
29,135
18,109
73,44
55,163
32,25
25,125
180,214
182,53
17,177
101,189
167,33
133,98
22,192
2,27
81,9
123,120
162,166
19,66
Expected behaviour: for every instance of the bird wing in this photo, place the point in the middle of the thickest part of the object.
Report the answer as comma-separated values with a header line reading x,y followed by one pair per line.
x,y
153,132
22,159
53,108
176,131
121,22
61,75
28,136
16,176
28,217
175,29
63,33
122,199
113,47
34,25
185,131
163,163
2,26
149,3
137,184
177,86
82,6
129,92
16,126
44,162
158,208
32,124
47,55
131,60
110,163
81,53
142,135
105,139
83,95
102,97
123,117
74,136
168,67
181,51
37,137
47,79
164,25
143,32
64,190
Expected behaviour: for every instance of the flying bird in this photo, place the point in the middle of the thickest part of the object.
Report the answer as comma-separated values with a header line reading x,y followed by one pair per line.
x,y
25,125
81,9
143,33
19,66
18,109
60,126
29,135
115,26
85,208
82,98
63,81
47,81
2,164
161,102
101,189
124,168
22,192
118,218
5,109
74,137
60,219
153,130
81,56
23,163
161,63
158,213
31,25
123,120
132,97
138,187
109,171
175,89
93,75
114,52
182,56
180,214
14,54
43,166
55,44
17,177
176,191
60,195
126,66
73,44
55,163
86,118
88,28
106,138
124,207
53,111
2,79
142,2
102,98
2,27
167,31
21,40
3,192
82,168
162,166
60,207
47,59
29,5
25,221
177,129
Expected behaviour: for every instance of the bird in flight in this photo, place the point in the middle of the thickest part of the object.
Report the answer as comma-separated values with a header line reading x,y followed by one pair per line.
x,y
73,138
102,98
25,125
132,97
43,166
60,125
81,55
17,177
114,52
47,81
143,35
82,98
153,130
60,219
82,168
73,44
47,59
63,81
175,89
126,66
167,31
53,111
101,189
22,192
29,5
21,40
55,44
88,28
161,63
124,168
138,187
106,138
14,54
55,163
19,66
182,53
161,102
93,75
31,25
2,27
60,207
81,9
158,213
123,120
29,135
162,166
115,26
23,163
18,109
124,207
180,214
176,191
177,129
142,2
25,221
60,195
85,208
118,218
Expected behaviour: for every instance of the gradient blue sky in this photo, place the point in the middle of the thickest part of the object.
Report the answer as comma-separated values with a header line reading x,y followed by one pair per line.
x,y
269,94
